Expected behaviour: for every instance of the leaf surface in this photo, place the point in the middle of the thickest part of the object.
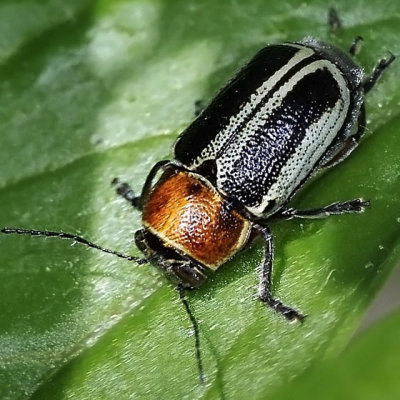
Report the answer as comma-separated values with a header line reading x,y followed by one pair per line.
x,y
92,90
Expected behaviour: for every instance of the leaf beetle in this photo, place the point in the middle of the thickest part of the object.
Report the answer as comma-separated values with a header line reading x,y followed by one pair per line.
x,y
293,110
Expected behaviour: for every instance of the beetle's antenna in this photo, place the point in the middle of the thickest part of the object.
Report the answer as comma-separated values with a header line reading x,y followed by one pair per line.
x,y
75,238
182,292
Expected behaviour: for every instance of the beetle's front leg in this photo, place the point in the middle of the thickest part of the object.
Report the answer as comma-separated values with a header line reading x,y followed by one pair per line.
x,y
124,190
264,291
354,206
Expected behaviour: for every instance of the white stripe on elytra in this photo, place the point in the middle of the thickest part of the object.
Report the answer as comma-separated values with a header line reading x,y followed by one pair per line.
x,y
226,134
237,147
309,151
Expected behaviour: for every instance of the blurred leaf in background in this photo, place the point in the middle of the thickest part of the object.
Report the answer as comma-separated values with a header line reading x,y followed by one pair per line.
x,y
91,90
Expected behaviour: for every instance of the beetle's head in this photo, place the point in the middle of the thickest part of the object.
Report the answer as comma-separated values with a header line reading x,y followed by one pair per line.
x,y
178,268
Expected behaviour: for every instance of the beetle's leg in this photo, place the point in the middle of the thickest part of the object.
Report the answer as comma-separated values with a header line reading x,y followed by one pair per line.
x,y
346,207
335,24
370,81
264,291
338,154
124,190
356,46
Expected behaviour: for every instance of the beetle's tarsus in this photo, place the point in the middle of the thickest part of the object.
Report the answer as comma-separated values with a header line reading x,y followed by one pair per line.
x,y
382,65
289,313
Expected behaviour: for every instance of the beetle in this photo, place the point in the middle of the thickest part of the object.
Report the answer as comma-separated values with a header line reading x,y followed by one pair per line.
x,y
293,110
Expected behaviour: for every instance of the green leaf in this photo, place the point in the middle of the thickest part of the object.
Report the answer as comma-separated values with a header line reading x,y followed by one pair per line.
x,y
367,370
91,90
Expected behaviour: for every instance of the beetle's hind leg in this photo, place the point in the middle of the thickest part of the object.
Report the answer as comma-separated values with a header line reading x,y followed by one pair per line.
x,y
334,21
264,292
356,46
335,25
384,63
354,206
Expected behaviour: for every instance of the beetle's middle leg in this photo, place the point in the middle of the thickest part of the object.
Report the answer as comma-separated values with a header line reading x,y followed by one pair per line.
x,y
264,291
354,206
356,46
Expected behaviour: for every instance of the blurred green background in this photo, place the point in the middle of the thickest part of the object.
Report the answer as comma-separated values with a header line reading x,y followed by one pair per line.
x,y
90,90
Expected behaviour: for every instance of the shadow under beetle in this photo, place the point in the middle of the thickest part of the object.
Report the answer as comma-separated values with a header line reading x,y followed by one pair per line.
x,y
294,109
